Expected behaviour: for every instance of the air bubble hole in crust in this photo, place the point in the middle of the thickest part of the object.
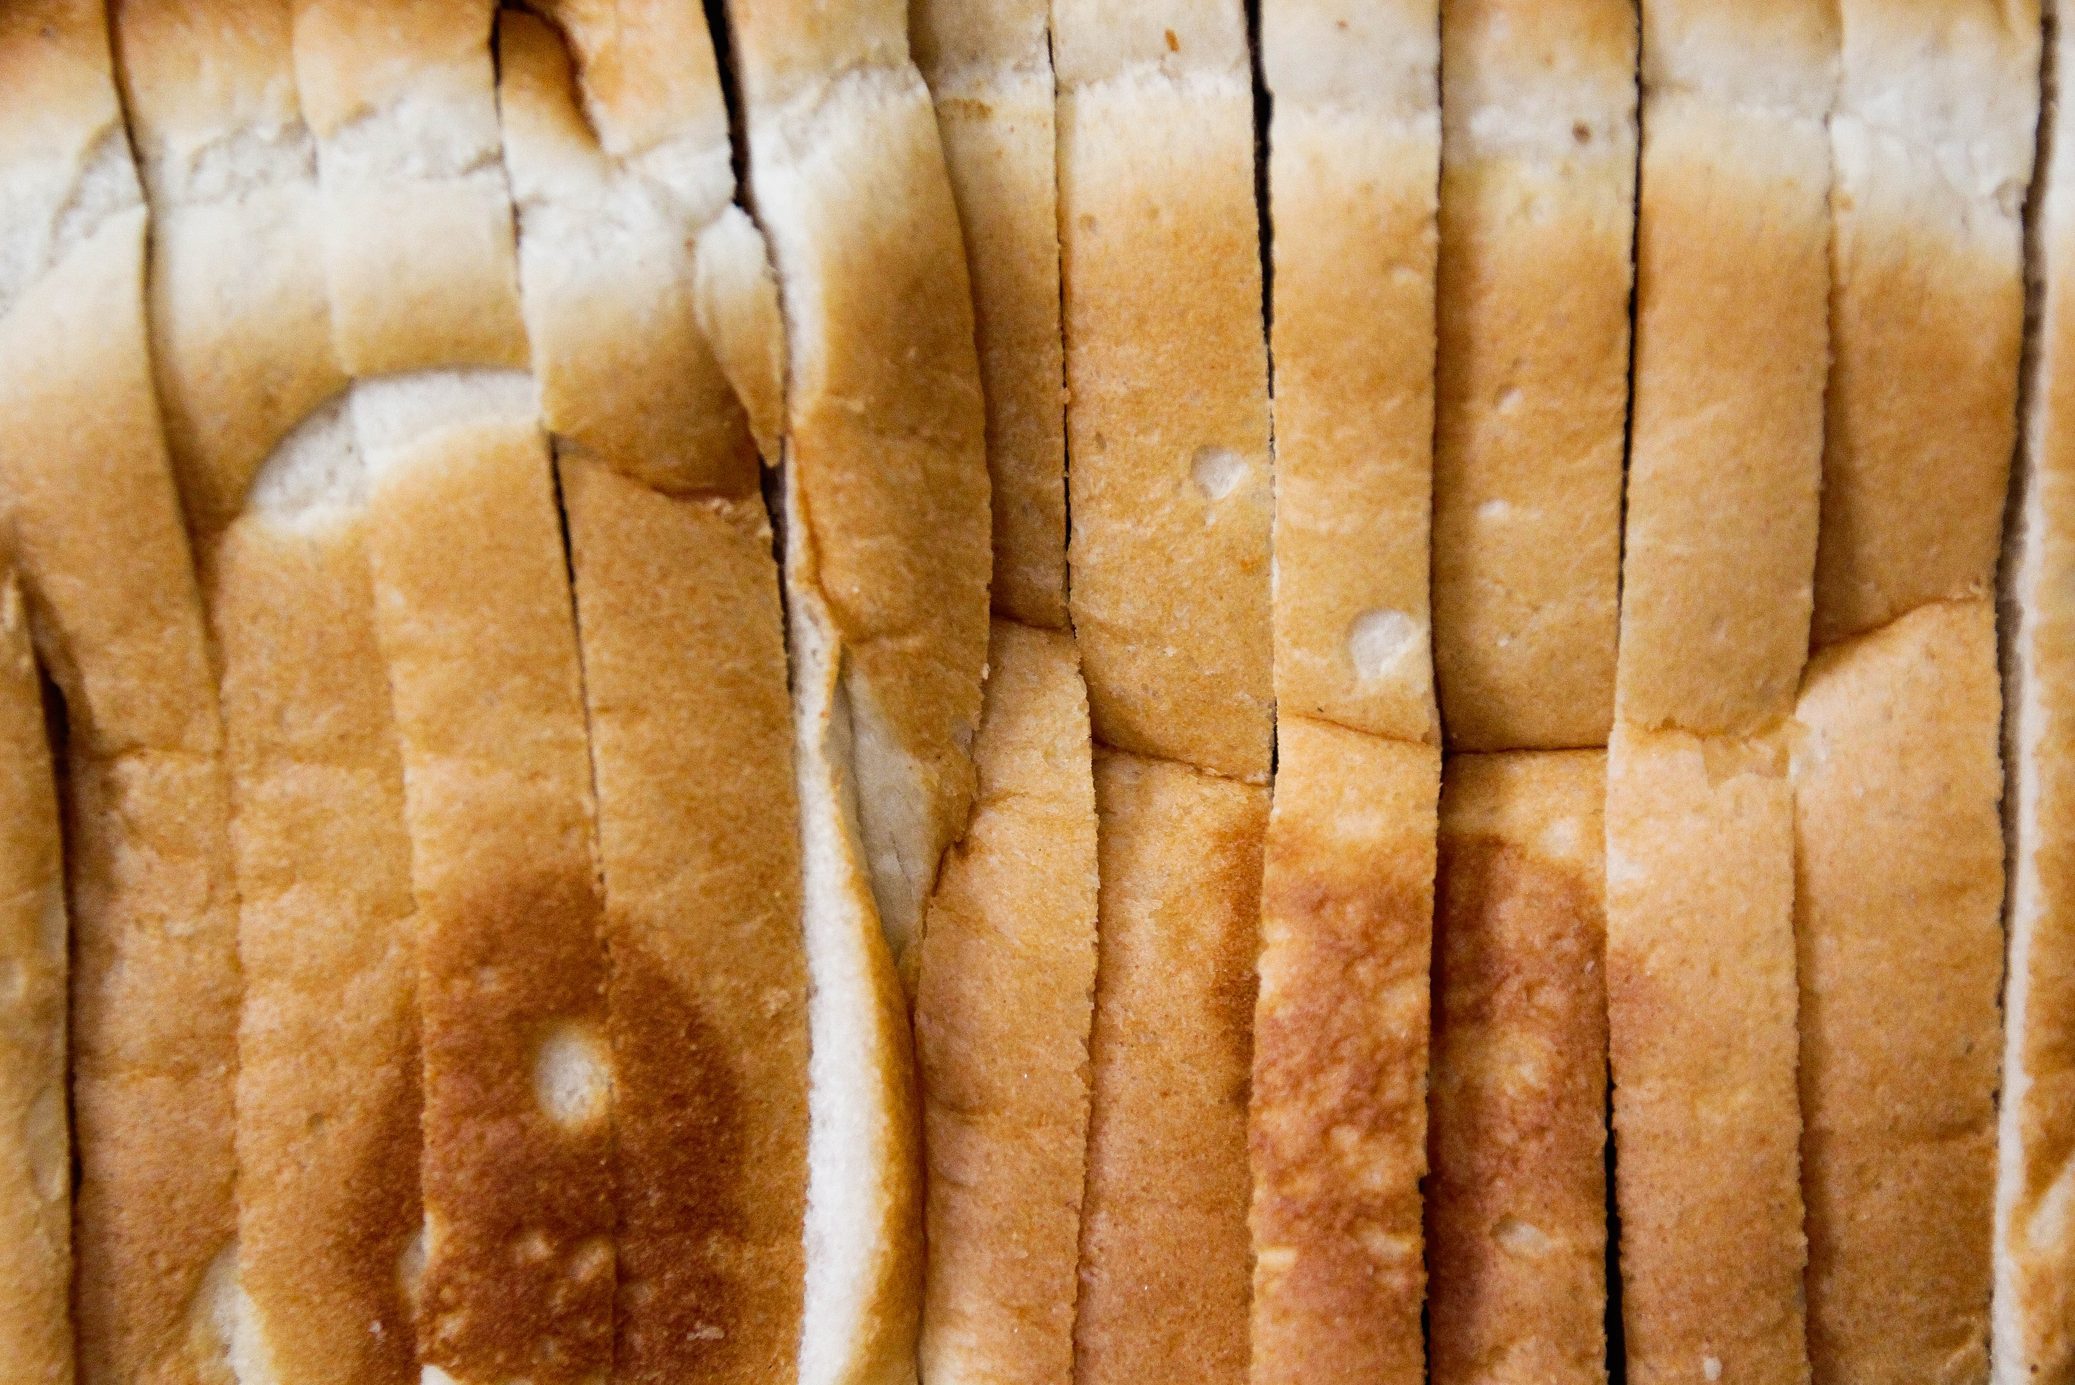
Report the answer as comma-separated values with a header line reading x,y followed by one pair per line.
x,y
1218,471
572,1075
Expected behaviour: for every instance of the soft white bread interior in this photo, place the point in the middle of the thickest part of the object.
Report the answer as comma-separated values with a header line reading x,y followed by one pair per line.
x,y
989,68
1167,419
1355,152
1537,234
1165,1256
1516,1203
2033,1315
35,1135
327,1127
1002,1015
96,526
617,147
1338,1124
886,448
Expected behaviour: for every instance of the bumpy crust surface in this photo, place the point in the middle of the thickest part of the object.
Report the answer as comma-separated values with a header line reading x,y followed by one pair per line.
x,y
1164,1248
1355,155
1729,364
1167,420
35,1142
111,591
1001,1027
466,552
1537,225
2034,1297
990,71
685,680
1899,888
1337,1128
1516,1204
886,425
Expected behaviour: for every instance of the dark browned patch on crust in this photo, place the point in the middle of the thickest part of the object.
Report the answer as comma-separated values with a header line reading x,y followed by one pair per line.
x,y
519,1279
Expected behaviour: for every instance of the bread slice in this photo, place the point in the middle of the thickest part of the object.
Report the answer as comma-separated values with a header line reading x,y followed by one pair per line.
x,y
1338,1129
1001,1030
989,68
684,679
1167,422
2033,1304
1165,1258
1732,292
1701,1029
1516,1203
96,529
1725,458
1899,886
475,623
886,427
328,1076
35,1138
1354,156
1537,232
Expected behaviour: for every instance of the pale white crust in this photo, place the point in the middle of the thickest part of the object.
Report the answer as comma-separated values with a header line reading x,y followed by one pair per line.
x,y
1165,1259
1002,1018
1516,1203
1167,417
1537,231
684,681
1337,1120
35,1137
104,562
1352,179
2033,1306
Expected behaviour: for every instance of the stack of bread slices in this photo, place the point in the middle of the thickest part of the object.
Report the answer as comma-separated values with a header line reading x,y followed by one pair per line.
x,y
1036,692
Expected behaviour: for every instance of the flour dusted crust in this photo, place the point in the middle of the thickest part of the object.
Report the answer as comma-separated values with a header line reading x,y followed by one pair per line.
x,y
885,421
1516,1202
1167,420
1337,1129
1701,1023
1537,220
1899,884
35,1141
1355,151
105,567
2033,1315
1164,1248
685,682
1001,1026
989,68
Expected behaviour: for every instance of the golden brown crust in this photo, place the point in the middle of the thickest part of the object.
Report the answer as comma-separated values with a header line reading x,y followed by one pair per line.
x,y
1701,1025
96,526
1002,1017
1537,221
1167,422
1352,180
1516,1203
1164,1247
990,71
886,425
1899,891
35,1143
702,886
1726,458
328,1049
1337,1127
471,593
1932,141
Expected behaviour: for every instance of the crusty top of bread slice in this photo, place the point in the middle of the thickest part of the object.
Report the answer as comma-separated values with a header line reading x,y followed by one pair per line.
x,y
886,423
953,35
1094,39
1778,55
241,318
418,224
